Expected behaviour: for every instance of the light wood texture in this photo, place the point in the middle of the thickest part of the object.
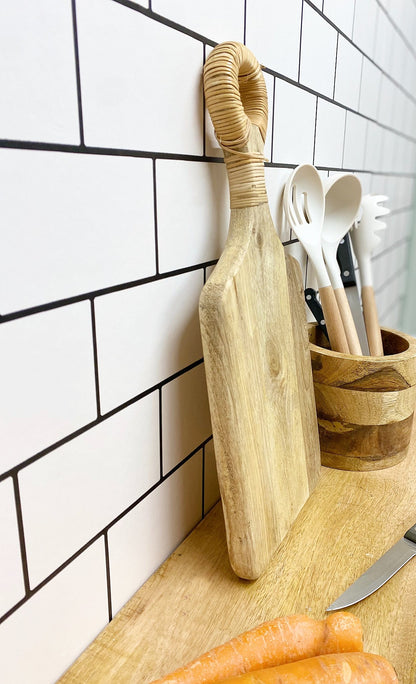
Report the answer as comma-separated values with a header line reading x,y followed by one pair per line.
x,y
333,320
372,325
248,342
364,405
348,321
195,602
304,371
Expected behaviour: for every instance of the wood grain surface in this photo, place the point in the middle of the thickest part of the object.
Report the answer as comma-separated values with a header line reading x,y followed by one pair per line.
x,y
252,363
195,601
365,405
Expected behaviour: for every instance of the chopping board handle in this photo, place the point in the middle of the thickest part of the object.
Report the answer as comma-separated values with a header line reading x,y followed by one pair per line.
x,y
236,98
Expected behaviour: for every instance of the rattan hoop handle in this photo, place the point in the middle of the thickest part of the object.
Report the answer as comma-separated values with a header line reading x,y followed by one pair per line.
x,y
236,98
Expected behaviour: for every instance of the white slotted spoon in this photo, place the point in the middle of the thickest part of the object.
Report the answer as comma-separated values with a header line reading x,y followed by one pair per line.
x,y
364,240
304,203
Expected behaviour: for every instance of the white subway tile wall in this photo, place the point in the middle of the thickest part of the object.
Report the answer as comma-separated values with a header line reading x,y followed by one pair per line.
x,y
114,212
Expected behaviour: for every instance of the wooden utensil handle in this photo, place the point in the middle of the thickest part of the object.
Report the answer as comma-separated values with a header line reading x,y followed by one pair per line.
x,y
372,325
236,98
333,320
348,321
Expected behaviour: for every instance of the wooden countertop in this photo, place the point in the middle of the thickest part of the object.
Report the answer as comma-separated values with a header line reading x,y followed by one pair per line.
x,y
194,601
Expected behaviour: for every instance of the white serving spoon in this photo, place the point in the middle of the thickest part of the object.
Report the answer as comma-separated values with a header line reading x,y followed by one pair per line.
x,y
364,240
342,203
304,202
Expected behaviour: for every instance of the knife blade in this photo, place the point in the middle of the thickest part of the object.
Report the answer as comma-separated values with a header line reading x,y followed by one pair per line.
x,y
346,264
379,573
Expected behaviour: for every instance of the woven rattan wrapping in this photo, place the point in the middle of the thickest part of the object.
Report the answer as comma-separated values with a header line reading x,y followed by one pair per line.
x,y
236,98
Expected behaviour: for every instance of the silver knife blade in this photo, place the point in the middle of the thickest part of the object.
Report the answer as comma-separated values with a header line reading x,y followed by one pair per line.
x,y
379,573
346,265
357,314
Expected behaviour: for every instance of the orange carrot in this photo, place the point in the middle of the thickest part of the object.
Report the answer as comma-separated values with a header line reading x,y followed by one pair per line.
x,y
333,668
283,640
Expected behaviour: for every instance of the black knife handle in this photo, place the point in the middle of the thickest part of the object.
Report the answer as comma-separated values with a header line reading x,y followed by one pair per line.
x,y
312,301
346,262
411,534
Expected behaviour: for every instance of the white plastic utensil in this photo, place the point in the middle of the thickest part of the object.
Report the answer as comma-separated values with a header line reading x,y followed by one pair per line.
x,y
342,203
304,202
364,240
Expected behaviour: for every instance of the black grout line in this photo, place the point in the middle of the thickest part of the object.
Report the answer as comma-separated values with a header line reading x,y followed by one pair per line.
x,y
156,237
77,71
397,29
102,532
95,353
335,67
300,41
68,438
108,576
331,23
104,291
148,12
272,119
21,531
314,131
245,23
391,248
160,433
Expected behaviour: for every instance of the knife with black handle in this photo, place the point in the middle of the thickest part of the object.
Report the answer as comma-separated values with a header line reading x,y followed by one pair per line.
x,y
346,265
381,571
311,298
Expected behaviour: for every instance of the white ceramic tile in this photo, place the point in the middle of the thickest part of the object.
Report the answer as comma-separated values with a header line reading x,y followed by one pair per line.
x,y
211,487
365,22
389,157
148,534
348,74
37,78
42,639
273,34
294,124
318,51
216,20
389,102
47,387
141,81
398,59
185,416
69,495
384,41
318,4
354,143
145,334
330,127
193,212
373,148
370,89
275,182
269,81
341,13
11,577
84,222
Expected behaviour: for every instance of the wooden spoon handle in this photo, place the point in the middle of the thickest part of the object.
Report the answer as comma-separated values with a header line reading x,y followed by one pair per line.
x,y
372,325
333,320
348,321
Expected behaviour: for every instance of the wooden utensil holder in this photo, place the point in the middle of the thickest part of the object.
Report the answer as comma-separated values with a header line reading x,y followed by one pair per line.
x,y
364,404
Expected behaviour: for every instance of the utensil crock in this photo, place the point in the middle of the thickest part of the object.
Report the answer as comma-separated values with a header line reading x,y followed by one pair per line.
x,y
364,404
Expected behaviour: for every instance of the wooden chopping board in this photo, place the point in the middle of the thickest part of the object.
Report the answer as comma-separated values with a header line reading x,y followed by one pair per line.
x,y
257,362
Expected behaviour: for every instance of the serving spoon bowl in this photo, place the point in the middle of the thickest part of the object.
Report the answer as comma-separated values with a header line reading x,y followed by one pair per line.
x,y
304,204
342,203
